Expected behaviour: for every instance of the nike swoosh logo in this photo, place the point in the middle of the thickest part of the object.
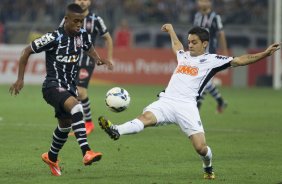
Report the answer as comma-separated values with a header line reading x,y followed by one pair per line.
x,y
58,171
61,47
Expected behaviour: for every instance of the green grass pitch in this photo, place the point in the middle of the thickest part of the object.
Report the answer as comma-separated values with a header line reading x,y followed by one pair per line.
x,y
246,141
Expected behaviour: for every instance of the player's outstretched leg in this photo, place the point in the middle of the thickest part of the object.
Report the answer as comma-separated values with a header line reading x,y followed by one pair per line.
x,y
131,127
199,143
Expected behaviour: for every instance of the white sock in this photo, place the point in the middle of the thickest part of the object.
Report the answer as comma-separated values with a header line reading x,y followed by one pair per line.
x,y
207,160
130,127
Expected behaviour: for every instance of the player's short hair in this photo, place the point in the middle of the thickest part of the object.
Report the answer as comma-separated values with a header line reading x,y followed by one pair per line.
x,y
201,32
74,8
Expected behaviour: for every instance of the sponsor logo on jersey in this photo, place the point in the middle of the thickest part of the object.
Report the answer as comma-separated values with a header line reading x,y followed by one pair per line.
x,y
83,74
188,70
78,42
67,59
44,40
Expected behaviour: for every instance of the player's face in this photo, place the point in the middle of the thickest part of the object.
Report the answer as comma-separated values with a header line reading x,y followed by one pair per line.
x,y
84,4
74,22
195,45
204,4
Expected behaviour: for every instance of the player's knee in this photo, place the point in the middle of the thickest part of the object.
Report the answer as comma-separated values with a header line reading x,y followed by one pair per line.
x,y
148,119
82,93
77,108
201,149
65,123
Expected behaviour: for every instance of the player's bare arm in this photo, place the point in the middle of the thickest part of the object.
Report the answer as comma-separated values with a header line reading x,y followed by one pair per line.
x,y
175,43
253,58
95,56
109,44
223,43
18,85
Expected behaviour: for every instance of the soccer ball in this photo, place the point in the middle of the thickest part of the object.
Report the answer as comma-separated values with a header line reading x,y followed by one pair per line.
x,y
117,99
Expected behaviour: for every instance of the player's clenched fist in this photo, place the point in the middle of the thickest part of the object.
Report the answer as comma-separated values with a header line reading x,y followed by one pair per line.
x,y
167,27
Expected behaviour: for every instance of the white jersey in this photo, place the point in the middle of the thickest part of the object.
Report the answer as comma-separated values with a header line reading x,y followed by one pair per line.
x,y
192,74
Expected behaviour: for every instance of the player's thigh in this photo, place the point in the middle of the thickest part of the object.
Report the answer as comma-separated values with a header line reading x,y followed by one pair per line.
x,y
56,97
82,93
188,119
70,103
65,122
148,119
160,112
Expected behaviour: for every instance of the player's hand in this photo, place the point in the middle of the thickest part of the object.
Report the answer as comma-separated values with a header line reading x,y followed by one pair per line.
x,y
167,27
109,64
273,48
16,87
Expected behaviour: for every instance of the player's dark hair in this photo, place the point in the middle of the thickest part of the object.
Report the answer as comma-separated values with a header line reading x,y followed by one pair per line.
x,y
74,8
201,32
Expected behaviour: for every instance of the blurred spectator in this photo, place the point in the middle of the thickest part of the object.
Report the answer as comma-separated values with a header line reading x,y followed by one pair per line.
x,y
34,34
2,32
23,13
122,37
147,10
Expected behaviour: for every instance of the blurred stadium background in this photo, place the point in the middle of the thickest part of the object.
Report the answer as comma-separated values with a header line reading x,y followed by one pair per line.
x,y
249,27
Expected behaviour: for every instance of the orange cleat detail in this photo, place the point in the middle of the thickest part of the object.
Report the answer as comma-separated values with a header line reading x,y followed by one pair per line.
x,y
91,157
54,166
89,125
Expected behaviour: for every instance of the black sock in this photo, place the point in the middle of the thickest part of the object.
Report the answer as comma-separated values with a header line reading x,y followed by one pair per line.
x,y
86,109
215,94
79,130
60,136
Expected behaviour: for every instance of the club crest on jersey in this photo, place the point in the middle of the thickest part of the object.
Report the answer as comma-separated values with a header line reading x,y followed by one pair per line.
x,y
68,59
202,60
44,40
188,70
78,42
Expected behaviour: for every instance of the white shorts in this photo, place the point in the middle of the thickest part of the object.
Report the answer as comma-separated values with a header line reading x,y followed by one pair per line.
x,y
185,115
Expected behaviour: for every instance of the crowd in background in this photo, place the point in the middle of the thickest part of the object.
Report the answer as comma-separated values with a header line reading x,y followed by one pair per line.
x,y
136,11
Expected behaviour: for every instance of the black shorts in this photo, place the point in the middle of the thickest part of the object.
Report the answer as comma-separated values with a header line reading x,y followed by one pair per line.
x,y
56,96
85,73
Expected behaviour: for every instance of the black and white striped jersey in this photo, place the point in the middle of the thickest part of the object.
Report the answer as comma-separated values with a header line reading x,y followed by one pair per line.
x,y
94,25
211,21
62,53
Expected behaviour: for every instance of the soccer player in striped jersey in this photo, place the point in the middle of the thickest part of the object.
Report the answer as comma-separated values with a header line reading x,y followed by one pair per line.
x,y
178,104
95,26
63,49
210,20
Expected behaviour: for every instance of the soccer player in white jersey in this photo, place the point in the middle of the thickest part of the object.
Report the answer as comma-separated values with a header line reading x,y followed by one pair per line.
x,y
178,104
